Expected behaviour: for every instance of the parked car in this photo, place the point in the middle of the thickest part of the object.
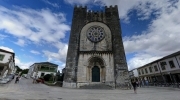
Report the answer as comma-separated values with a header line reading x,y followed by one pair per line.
x,y
3,81
7,78
11,76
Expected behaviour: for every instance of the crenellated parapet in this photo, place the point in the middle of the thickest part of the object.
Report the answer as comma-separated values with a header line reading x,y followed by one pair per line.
x,y
100,16
95,16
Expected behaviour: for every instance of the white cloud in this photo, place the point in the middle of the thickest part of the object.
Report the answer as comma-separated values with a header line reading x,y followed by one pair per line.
x,y
6,48
34,25
21,64
145,7
141,59
124,6
57,56
82,2
35,52
52,4
160,39
2,36
20,42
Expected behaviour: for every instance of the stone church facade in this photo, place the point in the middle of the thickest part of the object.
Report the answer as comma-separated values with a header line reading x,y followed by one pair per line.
x,y
96,52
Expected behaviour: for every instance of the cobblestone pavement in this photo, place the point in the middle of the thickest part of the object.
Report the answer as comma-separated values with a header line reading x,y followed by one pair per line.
x,y
26,90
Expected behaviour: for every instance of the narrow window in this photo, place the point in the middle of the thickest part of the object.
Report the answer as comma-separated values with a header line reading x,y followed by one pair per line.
x,y
171,63
142,71
146,70
155,68
139,73
163,67
1,57
150,69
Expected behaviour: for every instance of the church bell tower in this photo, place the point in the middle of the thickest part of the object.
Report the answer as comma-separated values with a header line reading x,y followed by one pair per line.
x,y
96,52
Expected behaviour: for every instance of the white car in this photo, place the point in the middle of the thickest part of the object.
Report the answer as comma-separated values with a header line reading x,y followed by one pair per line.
x,y
3,81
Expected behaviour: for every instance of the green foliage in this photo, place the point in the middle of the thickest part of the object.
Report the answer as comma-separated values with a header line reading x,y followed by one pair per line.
x,y
24,71
61,78
51,78
48,77
18,69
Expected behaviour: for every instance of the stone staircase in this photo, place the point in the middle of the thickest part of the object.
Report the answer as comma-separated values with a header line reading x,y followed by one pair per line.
x,y
96,86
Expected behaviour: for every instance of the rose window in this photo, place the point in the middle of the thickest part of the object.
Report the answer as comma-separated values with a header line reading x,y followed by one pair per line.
x,y
95,33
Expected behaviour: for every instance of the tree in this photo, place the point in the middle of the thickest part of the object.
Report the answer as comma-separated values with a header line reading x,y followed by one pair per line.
x,y
24,71
47,77
18,69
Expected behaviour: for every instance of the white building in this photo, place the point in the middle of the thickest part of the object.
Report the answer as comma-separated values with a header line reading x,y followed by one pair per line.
x,y
7,63
41,69
164,70
133,74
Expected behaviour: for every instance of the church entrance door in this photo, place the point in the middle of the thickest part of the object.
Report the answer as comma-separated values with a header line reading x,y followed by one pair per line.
x,y
95,74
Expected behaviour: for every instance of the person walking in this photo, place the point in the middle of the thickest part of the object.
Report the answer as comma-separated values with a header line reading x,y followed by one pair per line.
x,y
134,84
34,79
147,83
17,79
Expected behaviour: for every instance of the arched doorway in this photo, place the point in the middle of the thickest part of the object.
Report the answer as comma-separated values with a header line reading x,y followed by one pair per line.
x,y
95,74
96,70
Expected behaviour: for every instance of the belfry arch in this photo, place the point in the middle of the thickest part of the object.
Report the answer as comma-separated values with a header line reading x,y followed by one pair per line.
x,y
96,70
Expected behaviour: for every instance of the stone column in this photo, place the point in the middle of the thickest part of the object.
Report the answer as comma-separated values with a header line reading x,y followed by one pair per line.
x,y
4,69
104,74
89,73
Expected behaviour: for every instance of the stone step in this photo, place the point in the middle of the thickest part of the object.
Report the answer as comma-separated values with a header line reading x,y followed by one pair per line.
x,y
96,86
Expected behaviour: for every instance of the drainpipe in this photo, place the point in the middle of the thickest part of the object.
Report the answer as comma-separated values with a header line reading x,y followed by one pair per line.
x,y
161,73
177,61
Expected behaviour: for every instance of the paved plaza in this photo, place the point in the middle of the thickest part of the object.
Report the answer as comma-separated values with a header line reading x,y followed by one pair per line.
x,y
26,90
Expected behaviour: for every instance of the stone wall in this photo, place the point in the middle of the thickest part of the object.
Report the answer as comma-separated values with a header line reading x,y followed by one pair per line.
x,y
77,45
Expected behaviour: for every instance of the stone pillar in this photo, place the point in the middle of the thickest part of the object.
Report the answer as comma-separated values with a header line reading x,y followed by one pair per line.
x,y
89,73
4,69
103,74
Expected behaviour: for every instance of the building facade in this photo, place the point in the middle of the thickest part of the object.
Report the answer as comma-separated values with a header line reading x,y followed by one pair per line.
x,y
164,71
96,52
133,74
41,69
7,63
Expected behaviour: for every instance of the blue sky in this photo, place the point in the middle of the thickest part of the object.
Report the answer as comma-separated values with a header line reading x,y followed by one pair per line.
x,y
38,30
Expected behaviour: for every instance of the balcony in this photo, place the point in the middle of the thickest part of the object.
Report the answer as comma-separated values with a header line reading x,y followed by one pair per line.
x,y
47,70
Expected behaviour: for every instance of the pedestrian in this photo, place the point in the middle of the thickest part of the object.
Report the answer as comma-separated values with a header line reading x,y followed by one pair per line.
x,y
140,84
13,77
147,83
134,84
17,79
137,84
34,79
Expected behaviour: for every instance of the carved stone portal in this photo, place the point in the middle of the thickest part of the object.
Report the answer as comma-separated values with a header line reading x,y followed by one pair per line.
x,y
96,70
